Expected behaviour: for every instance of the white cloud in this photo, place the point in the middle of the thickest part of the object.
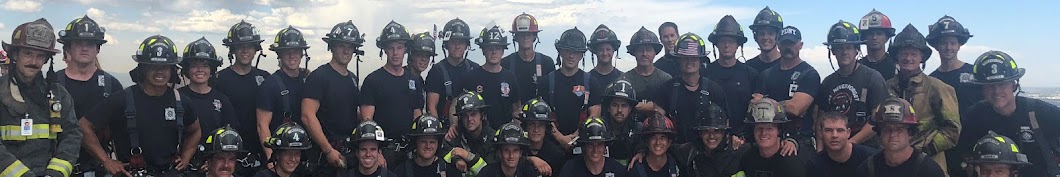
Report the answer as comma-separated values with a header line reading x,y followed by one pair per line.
x,y
88,1
217,21
2,26
113,24
22,5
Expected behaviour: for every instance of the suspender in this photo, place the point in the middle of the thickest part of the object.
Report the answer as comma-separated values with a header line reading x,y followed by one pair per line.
x,y
130,119
1047,151
447,80
678,88
284,98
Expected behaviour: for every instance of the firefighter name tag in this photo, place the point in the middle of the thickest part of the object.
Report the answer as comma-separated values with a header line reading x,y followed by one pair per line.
x,y
171,114
27,127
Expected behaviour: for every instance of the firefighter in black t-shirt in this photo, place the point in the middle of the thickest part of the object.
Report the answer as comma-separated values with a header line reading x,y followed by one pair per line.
x,y
445,78
604,45
568,88
691,87
331,93
997,156
766,28
1011,115
876,30
497,85
241,81
86,82
280,97
853,90
536,119
527,64
157,131
896,124
391,92
199,63
792,82
736,78
766,159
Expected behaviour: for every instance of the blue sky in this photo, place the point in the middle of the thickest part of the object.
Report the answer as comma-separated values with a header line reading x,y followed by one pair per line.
x,y
1016,27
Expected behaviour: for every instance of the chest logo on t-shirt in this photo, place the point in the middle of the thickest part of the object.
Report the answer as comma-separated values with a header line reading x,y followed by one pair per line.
x,y
966,77
1026,135
101,81
217,105
505,89
843,98
412,84
478,89
259,79
794,86
609,174
170,113
579,90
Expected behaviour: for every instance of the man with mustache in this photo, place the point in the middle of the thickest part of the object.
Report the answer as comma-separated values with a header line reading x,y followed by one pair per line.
x,y
841,156
1011,115
39,133
765,28
934,99
794,83
158,130
87,83
876,29
619,99
222,148
897,125
853,90
331,93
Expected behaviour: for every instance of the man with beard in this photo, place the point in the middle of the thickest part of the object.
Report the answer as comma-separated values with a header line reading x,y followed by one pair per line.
x,y
497,85
853,90
367,140
691,87
897,126
794,83
392,92
658,134
86,82
151,107
528,65
645,78
619,99
604,45
840,157
1011,115
876,29
38,135
932,97
594,138
287,145
766,159
512,142
766,27
222,148
331,93
735,77
280,97
426,136
241,82
445,78
568,88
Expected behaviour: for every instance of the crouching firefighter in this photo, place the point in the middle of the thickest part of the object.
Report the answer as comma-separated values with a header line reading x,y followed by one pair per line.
x,y
37,123
288,143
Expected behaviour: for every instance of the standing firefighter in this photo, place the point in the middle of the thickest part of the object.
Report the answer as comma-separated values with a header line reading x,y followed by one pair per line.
x,y
40,136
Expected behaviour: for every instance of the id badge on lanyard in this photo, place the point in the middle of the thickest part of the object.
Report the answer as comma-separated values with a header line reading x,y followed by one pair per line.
x,y
26,126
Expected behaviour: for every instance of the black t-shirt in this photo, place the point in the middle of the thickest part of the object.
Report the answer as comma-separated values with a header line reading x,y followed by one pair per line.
x,y
524,169
271,97
437,169
379,172
437,83
338,96
568,97
983,118
688,103
213,110
243,90
395,99
155,123
754,164
781,85
599,82
760,65
499,91
856,95
551,153
738,81
86,95
576,167
927,167
887,67
526,73
642,169
960,79
668,63
824,166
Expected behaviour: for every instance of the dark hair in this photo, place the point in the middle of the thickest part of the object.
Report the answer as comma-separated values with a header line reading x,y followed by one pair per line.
x,y
668,24
831,115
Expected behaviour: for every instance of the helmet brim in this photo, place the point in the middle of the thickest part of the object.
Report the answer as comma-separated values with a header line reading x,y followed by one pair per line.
x,y
1019,74
12,46
230,44
356,43
67,39
472,108
632,48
